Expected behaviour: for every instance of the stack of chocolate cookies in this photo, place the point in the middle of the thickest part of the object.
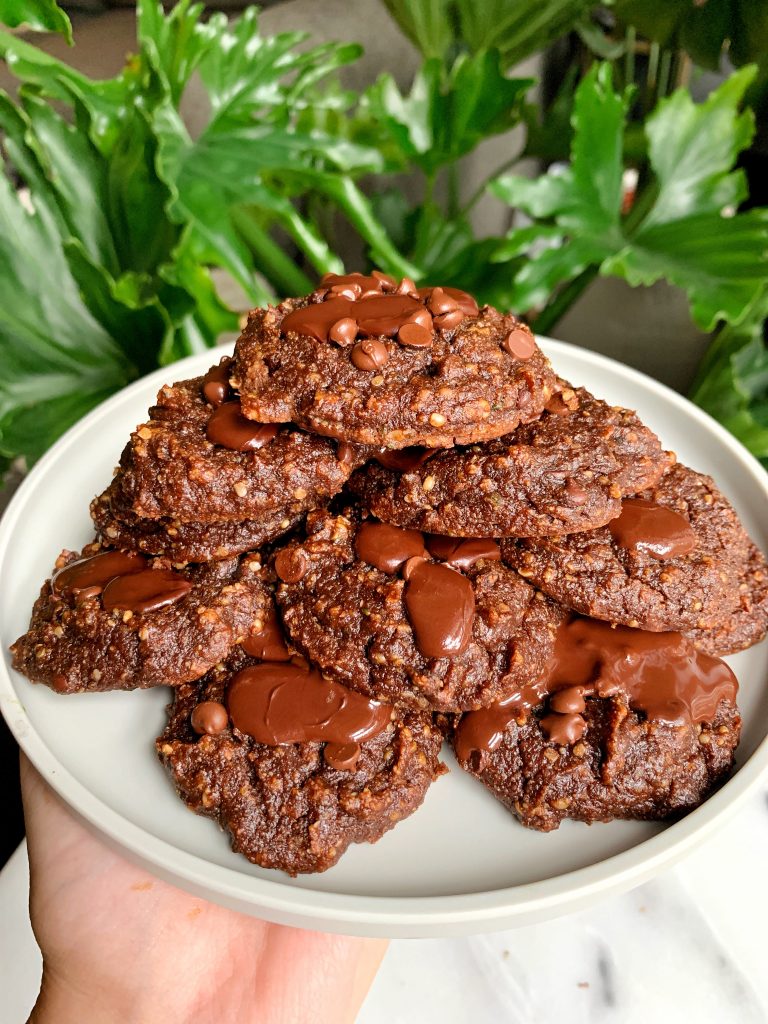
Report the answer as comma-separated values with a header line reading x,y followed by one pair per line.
x,y
386,523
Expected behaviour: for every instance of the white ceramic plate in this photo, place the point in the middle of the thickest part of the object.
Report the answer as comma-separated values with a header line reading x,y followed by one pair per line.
x,y
461,863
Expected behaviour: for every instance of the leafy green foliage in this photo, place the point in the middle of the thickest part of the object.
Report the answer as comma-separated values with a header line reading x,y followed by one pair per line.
x,y
732,382
702,29
446,114
514,29
41,15
685,229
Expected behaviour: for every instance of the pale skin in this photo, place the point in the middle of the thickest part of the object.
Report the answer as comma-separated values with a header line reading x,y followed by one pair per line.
x,y
122,947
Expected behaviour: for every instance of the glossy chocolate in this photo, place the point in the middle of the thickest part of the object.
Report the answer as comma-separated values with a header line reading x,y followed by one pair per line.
x,y
209,718
215,386
661,675
268,643
291,564
462,553
519,343
283,703
228,428
94,573
387,547
652,529
404,460
145,591
440,603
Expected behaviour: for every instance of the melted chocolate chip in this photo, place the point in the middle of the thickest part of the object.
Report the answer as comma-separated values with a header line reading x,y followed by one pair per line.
x,y
439,302
404,460
145,591
387,547
345,453
385,314
209,718
441,609
415,335
282,703
519,343
661,675
652,529
459,299
215,386
316,320
462,553
268,643
369,354
88,576
342,756
447,321
291,564
228,428
344,331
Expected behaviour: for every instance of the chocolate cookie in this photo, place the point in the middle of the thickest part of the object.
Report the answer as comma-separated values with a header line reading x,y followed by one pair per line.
x,y
565,472
183,542
624,767
198,460
428,622
636,725
368,360
671,560
747,621
290,802
114,620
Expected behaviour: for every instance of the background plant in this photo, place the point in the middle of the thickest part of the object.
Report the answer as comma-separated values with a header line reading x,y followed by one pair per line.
x,y
111,248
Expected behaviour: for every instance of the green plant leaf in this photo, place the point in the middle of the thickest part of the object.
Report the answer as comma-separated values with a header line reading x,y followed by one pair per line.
x,y
58,361
429,24
40,15
684,228
732,381
702,29
443,118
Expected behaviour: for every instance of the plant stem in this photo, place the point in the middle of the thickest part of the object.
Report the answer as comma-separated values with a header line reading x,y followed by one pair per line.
x,y
358,211
272,261
556,308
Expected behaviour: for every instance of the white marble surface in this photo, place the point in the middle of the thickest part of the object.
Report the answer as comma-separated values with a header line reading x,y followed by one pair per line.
x,y
689,945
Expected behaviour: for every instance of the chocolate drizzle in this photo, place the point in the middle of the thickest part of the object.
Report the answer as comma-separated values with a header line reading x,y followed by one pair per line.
x,y
279,704
376,307
661,675
652,529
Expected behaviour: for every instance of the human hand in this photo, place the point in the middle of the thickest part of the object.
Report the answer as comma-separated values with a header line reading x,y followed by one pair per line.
x,y
121,946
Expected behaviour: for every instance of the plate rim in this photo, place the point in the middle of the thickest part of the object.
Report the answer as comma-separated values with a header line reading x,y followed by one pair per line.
x,y
407,916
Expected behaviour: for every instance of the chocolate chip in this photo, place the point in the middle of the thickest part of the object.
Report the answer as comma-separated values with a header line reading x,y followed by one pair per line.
x,y
415,335
344,291
387,547
342,756
228,428
387,282
410,564
209,718
406,287
440,302
447,321
370,354
216,383
344,331
519,343
291,564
